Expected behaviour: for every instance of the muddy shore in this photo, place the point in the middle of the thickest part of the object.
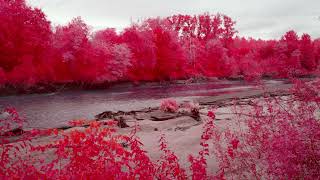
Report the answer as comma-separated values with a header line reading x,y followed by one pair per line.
x,y
182,129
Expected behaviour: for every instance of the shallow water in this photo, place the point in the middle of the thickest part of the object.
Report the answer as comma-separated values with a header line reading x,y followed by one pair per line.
x,y
56,109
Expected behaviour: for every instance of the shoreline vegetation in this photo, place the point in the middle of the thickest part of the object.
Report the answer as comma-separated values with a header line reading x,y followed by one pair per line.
x,y
36,56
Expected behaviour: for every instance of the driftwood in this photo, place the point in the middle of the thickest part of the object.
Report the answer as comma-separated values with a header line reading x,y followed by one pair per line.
x,y
111,114
14,132
122,123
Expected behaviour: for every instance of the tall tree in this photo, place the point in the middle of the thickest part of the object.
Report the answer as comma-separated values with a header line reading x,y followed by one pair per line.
x,y
25,37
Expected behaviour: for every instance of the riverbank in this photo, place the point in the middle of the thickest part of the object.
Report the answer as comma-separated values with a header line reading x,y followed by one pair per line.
x,y
56,109
45,88
182,129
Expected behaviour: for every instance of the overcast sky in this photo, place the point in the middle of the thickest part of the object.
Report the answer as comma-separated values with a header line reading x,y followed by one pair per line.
x,y
266,19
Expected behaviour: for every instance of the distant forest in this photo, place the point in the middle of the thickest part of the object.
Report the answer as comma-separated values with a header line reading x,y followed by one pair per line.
x,y
33,52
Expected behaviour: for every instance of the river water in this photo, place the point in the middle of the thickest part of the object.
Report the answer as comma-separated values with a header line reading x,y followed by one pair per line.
x,y
56,109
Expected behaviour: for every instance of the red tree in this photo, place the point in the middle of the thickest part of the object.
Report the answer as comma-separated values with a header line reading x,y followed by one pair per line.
x,y
110,55
175,47
170,58
204,26
24,39
71,46
308,61
143,51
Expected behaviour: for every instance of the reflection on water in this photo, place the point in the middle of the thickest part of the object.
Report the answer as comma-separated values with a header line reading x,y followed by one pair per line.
x,y
55,109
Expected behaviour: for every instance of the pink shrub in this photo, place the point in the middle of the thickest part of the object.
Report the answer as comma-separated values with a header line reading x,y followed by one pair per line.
x,y
169,105
168,166
194,108
198,165
280,139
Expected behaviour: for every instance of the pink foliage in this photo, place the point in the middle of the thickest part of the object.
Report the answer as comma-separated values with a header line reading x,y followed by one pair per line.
x,y
169,105
169,167
143,53
25,36
279,140
32,52
111,58
70,46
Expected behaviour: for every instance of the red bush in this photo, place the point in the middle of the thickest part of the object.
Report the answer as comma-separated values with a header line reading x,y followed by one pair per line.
x,y
280,139
168,167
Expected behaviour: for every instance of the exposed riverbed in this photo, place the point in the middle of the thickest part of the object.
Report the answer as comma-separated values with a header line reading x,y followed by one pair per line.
x,y
56,109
